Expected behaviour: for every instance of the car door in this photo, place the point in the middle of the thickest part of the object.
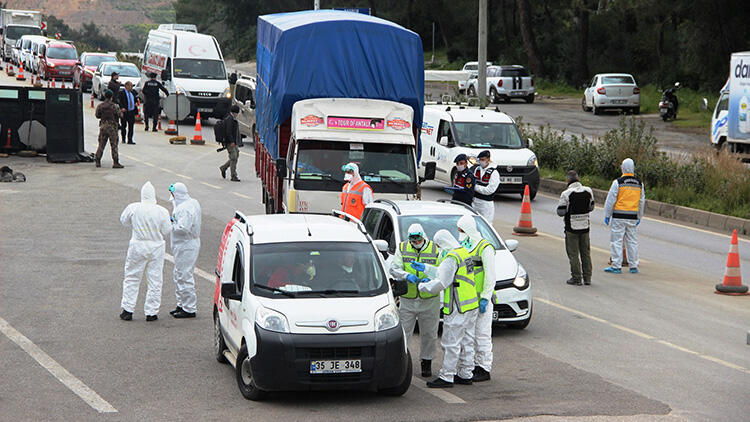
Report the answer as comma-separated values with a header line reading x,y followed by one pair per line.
x,y
443,155
231,319
387,231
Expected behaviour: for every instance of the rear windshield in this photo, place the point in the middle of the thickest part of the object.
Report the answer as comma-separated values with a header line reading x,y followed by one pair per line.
x,y
515,72
62,53
96,60
617,80
130,71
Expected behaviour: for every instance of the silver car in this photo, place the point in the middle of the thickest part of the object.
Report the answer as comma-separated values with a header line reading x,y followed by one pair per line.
x,y
612,91
244,98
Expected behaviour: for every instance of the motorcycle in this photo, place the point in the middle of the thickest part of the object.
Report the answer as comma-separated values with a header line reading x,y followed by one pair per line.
x,y
668,104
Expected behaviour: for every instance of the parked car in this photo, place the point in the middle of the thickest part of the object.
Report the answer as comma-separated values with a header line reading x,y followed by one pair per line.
x,y
470,68
609,91
37,50
304,302
58,60
244,98
126,71
15,57
83,74
25,55
390,220
505,83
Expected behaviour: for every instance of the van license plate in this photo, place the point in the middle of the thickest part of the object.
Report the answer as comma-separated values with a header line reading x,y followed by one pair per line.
x,y
335,366
513,180
205,110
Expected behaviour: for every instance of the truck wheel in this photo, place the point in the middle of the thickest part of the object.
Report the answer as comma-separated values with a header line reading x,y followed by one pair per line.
x,y
402,388
219,345
245,380
493,96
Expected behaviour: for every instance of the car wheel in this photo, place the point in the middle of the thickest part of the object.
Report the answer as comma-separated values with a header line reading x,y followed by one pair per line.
x,y
583,104
597,110
219,345
506,99
665,117
402,388
245,380
530,98
472,92
493,96
522,324
636,110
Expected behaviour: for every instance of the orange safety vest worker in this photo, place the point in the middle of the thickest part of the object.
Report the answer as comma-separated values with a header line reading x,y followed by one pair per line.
x,y
352,201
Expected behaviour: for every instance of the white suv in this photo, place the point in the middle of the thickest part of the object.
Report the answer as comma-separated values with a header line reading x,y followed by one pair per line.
x,y
390,220
303,302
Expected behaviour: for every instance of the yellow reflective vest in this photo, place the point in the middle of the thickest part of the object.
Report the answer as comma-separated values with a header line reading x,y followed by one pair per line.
x,y
428,256
463,292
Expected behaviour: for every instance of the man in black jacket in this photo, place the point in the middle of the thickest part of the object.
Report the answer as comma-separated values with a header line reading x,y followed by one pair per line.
x,y
575,205
231,141
127,100
151,93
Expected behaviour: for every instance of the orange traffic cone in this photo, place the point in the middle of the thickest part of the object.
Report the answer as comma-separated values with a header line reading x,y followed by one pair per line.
x,y
171,128
138,117
524,227
198,137
9,70
159,127
732,276
20,76
53,83
92,99
624,256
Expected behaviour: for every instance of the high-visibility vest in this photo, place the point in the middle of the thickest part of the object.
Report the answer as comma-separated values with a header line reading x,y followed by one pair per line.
x,y
352,198
628,197
463,292
479,265
428,255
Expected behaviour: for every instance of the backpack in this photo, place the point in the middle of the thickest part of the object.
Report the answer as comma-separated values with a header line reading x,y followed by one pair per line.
x,y
219,132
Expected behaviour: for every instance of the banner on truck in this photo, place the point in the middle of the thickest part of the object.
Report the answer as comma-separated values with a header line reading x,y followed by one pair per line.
x,y
738,124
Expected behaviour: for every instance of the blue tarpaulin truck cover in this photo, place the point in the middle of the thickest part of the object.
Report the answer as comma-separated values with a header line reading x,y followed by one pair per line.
x,y
333,54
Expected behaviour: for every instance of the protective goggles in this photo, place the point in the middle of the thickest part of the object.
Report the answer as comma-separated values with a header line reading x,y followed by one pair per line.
x,y
347,167
415,236
171,188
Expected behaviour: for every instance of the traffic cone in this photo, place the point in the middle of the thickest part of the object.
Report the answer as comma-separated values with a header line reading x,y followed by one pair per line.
x,y
624,256
92,99
9,70
198,137
53,83
524,227
20,76
171,128
138,117
159,126
732,284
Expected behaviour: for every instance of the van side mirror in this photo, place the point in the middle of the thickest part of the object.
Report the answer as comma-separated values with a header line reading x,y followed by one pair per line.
x,y
165,75
399,287
250,103
512,244
281,169
529,143
429,171
443,141
381,245
229,291
704,103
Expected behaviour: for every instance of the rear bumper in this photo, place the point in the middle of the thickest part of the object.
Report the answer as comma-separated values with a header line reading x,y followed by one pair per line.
x,y
529,176
282,361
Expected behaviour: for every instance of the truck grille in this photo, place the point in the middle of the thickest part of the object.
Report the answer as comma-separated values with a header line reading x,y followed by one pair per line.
x,y
204,94
514,170
317,353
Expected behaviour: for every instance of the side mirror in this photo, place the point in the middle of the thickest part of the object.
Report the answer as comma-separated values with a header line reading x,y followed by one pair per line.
x,y
233,78
249,103
512,244
429,171
399,287
443,141
165,75
381,245
529,143
704,104
229,291
281,169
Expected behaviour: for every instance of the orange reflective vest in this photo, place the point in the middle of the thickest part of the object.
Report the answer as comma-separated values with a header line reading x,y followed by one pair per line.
x,y
352,198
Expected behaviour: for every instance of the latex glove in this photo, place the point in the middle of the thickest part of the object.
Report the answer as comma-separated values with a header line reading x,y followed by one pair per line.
x,y
606,220
638,222
448,189
171,217
483,305
411,278
424,280
417,266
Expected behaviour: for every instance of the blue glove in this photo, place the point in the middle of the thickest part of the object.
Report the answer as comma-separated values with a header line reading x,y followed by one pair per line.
x,y
606,220
424,280
411,278
483,305
638,222
171,218
417,266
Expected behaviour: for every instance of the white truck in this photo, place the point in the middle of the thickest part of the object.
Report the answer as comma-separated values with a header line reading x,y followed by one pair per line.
x,y
730,123
13,25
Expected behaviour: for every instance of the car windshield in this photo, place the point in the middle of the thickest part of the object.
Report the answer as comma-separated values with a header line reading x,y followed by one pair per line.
x,y
385,167
488,135
199,69
432,223
617,80
62,53
14,32
96,60
317,269
130,71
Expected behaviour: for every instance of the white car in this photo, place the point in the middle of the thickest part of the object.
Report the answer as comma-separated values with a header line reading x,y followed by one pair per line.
x,y
390,220
26,55
612,91
126,71
449,131
304,302
505,83
16,52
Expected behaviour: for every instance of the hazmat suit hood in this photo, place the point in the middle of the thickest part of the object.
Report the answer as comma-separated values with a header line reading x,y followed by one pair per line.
x,y
148,194
469,226
417,228
445,240
180,193
628,166
353,167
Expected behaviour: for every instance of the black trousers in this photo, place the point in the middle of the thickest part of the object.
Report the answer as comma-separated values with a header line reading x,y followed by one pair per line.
x,y
126,125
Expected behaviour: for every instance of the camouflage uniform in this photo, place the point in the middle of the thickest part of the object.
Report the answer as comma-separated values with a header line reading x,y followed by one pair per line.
x,y
109,115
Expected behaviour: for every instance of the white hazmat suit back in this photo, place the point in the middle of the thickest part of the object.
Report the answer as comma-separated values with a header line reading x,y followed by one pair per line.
x,y
186,243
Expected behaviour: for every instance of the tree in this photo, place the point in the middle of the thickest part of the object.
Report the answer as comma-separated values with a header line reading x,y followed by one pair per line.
x,y
529,42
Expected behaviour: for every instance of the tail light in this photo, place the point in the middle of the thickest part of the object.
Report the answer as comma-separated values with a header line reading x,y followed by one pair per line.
x,y
602,91
500,82
636,90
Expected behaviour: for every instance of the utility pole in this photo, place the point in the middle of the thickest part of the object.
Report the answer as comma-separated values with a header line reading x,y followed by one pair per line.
x,y
433,44
317,4
482,71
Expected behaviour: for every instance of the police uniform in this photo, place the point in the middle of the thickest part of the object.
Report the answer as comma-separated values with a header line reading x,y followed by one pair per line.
x,y
151,108
486,183
464,179
108,114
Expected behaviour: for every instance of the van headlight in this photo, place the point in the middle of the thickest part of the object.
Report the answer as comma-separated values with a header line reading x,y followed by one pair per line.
x,y
227,93
386,318
271,320
179,90
532,162
522,279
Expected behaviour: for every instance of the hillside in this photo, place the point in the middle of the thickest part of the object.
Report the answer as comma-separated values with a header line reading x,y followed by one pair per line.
x,y
112,16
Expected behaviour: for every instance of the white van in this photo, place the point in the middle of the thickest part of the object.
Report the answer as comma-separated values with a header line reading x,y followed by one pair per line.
x,y
451,130
192,65
304,302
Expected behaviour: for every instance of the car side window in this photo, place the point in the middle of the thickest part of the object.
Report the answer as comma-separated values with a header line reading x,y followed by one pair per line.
x,y
238,270
445,130
370,219
239,93
593,81
385,232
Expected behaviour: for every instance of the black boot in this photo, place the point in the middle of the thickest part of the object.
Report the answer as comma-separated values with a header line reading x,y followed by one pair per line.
x,y
574,282
152,317
426,368
126,316
462,381
480,374
183,314
175,310
439,383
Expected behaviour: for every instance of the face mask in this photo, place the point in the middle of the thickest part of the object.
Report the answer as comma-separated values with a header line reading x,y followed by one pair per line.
x,y
460,168
418,245
461,236
348,176
484,164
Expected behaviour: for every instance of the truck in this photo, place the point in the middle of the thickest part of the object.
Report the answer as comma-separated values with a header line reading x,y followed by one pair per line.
x,y
13,25
730,123
335,87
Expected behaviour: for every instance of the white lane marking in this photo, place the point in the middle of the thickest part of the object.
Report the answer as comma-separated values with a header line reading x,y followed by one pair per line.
x,y
247,153
183,176
166,170
211,278
66,378
210,185
646,336
241,195
437,392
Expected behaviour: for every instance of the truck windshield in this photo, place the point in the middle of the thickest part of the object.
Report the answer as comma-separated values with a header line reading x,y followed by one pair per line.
x,y
316,269
199,69
488,135
14,32
387,168
62,53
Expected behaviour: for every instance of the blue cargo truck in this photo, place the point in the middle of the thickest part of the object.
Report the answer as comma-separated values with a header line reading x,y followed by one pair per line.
x,y
335,87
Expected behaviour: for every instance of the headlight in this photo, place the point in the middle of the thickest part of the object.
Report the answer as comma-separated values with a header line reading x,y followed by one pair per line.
x,y
522,279
178,89
271,320
51,64
386,318
227,93
532,161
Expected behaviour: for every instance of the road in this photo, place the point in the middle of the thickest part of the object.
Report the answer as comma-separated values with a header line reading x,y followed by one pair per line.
x,y
657,346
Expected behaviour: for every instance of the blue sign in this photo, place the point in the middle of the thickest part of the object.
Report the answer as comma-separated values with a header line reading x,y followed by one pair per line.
x,y
362,10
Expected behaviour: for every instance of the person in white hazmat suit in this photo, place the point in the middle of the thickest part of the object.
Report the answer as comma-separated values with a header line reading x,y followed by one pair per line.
x,y
150,223
460,306
186,243
416,305
487,182
624,207
484,275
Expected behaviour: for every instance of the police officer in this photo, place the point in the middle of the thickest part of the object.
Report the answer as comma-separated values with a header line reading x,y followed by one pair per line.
x,y
463,186
151,93
108,114
487,181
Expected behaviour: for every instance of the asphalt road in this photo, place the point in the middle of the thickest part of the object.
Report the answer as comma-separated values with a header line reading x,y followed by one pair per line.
x,y
659,345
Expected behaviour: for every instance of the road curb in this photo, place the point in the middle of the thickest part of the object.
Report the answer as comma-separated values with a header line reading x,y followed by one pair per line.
x,y
710,220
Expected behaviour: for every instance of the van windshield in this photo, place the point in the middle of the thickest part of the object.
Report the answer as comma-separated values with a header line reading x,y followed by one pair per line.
x,y
14,32
488,135
316,269
199,69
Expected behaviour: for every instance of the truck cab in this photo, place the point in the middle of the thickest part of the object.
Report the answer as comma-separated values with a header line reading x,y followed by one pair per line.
x,y
719,119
